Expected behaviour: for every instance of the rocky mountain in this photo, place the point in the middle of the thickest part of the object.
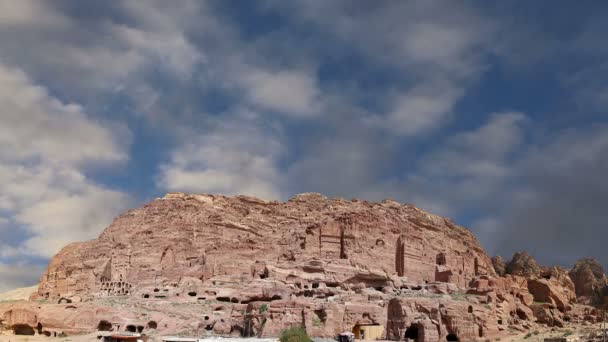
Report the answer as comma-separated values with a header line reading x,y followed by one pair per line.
x,y
499,264
590,280
209,264
522,264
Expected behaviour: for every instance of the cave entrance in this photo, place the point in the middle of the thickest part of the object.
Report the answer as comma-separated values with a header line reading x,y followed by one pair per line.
x,y
452,337
104,326
412,333
440,259
23,329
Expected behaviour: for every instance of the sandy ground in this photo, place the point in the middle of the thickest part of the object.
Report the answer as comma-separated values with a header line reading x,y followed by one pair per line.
x,y
18,294
93,337
574,334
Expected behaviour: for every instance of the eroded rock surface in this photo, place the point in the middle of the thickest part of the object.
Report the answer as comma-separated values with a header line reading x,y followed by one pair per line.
x,y
523,264
589,280
207,264
500,266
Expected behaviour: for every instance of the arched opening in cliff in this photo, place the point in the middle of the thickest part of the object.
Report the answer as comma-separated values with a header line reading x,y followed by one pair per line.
x,y
470,310
412,332
140,328
320,316
400,257
476,264
264,274
39,328
23,329
131,328
152,325
192,294
104,326
521,314
440,259
146,296
452,337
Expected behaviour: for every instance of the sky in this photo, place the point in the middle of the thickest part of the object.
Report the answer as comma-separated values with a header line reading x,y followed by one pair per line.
x,y
494,114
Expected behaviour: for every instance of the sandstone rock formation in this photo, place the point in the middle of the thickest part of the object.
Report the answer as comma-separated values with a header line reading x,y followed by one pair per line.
x,y
589,280
523,264
239,265
500,267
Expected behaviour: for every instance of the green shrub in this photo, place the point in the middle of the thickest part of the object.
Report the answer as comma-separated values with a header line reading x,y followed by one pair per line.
x,y
294,334
263,308
568,333
528,335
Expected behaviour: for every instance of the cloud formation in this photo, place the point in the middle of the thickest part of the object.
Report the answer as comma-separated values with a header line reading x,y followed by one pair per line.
x,y
237,157
481,112
44,146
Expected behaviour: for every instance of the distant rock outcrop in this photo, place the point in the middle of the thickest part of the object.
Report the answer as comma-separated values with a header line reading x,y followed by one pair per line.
x,y
500,267
590,281
523,264
18,294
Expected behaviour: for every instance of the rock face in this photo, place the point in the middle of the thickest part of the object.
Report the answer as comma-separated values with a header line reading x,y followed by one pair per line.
x,y
206,264
247,239
500,267
523,264
589,280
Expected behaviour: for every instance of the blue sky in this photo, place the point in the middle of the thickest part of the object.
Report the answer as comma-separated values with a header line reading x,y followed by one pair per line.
x,y
494,114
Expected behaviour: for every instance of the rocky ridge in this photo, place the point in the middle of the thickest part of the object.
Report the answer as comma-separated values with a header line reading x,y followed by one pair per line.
x,y
210,264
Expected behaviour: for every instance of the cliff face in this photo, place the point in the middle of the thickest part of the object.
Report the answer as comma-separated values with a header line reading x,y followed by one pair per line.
x,y
241,266
590,281
243,238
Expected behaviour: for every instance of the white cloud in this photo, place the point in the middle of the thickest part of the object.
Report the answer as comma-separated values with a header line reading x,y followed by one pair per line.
x,y
57,205
288,92
44,146
468,168
118,48
420,109
482,152
439,48
171,48
234,158
38,126
28,13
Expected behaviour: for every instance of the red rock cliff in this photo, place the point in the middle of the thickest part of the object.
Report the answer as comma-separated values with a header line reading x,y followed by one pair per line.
x,y
209,236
